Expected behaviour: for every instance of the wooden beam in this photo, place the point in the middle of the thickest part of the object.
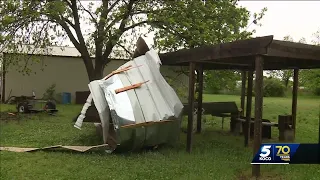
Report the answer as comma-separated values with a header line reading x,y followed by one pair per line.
x,y
295,99
243,91
200,92
248,109
191,105
231,62
319,126
258,111
230,50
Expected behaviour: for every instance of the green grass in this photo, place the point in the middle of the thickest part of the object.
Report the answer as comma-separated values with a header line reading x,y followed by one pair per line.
x,y
216,153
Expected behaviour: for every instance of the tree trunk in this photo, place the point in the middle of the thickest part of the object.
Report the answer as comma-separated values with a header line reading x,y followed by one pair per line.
x,y
98,73
95,73
286,82
98,70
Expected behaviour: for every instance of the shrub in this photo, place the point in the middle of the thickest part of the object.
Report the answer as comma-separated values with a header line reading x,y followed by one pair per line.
x,y
50,92
316,91
273,87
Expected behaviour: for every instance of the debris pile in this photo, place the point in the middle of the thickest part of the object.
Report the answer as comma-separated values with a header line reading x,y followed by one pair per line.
x,y
136,106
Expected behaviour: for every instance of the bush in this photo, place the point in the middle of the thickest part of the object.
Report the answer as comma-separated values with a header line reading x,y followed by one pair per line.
x,y
273,88
316,91
50,92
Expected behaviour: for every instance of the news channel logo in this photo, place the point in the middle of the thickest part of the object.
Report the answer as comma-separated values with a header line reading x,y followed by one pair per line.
x,y
275,154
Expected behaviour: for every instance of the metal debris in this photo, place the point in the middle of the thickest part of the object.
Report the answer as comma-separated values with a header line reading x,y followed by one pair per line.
x,y
73,148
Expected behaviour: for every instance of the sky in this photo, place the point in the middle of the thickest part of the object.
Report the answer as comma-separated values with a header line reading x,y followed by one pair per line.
x,y
295,18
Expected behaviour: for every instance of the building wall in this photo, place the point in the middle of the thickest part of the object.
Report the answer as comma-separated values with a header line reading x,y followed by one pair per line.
x,y
68,73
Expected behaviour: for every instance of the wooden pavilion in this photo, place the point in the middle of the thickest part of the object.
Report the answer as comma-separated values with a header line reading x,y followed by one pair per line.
x,y
248,56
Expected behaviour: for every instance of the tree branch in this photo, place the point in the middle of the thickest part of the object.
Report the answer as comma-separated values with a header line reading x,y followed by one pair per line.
x,y
90,14
77,24
126,15
68,3
144,12
35,45
138,24
68,21
111,7
100,36
74,41
117,35
172,31
124,48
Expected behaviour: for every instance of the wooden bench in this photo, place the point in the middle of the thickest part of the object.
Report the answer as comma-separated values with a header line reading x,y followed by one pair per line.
x,y
266,126
264,121
218,109
230,109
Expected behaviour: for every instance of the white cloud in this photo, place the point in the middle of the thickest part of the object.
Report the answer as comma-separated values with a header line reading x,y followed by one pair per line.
x,y
295,18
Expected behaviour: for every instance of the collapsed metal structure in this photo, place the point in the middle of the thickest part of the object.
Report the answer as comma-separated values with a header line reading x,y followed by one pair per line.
x,y
136,106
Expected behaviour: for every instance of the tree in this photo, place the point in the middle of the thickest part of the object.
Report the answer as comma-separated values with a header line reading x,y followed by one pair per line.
x,y
310,78
177,24
44,23
191,24
284,75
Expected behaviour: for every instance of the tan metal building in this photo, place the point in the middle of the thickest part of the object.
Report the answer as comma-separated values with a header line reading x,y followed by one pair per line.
x,y
63,67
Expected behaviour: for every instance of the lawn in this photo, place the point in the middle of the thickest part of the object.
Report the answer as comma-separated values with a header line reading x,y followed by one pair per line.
x,y
216,153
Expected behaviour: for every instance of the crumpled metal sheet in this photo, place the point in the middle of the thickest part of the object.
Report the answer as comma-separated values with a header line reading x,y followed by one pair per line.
x,y
73,148
141,117
137,136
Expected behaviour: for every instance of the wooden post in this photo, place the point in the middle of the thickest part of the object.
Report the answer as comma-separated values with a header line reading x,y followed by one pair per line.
x,y
3,81
191,105
285,131
258,111
243,91
295,99
319,126
248,109
200,92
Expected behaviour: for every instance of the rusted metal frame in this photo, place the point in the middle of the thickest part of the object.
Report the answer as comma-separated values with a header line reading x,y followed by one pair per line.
x,y
295,98
200,93
248,109
191,105
258,111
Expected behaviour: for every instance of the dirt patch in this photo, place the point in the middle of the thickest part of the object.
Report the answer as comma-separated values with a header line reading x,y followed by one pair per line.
x,y
10,116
